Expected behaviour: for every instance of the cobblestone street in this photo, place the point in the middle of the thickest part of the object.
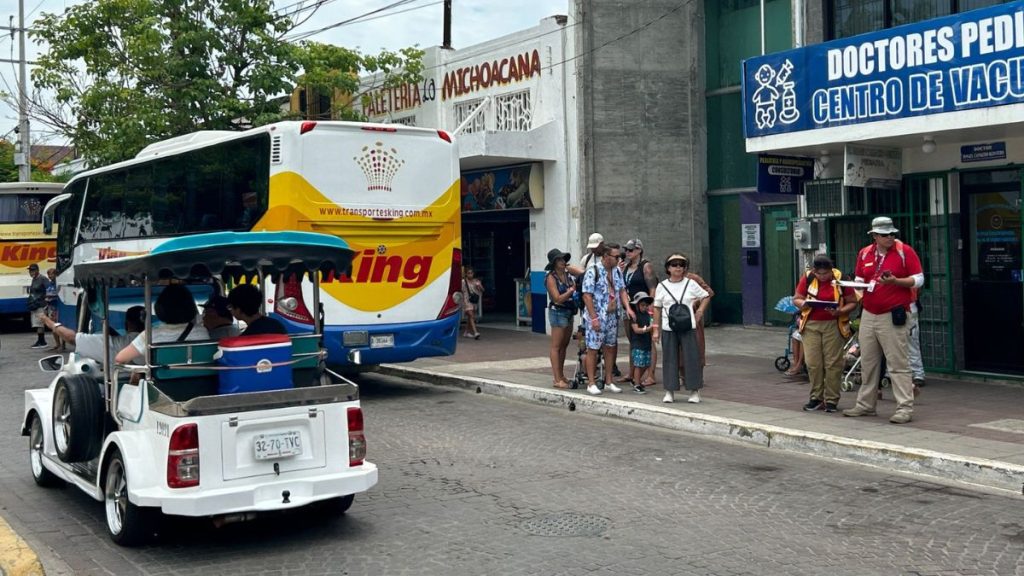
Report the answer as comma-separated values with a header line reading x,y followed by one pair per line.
x,y
472,484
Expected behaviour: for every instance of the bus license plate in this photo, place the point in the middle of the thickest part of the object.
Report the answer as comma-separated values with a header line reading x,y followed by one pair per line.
x,y
382,341
280,445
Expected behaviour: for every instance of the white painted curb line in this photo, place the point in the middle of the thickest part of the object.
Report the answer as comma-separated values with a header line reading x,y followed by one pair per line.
x,y
1005,477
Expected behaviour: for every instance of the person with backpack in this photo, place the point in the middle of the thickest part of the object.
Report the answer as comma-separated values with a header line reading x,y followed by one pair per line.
x,y
893,273
561,289
824,325
675,322
639,276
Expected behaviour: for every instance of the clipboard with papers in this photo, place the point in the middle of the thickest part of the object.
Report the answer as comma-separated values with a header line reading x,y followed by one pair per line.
x,y
821,304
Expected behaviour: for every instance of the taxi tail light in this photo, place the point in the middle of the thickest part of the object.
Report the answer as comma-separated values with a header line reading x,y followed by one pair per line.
x,y
356,439
453,302
183,457
288,301
444,136
306,127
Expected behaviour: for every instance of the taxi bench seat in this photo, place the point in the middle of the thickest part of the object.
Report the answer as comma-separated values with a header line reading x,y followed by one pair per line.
x,y
179,373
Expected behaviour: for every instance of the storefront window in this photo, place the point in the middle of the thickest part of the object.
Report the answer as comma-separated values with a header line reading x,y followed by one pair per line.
x,y
851,17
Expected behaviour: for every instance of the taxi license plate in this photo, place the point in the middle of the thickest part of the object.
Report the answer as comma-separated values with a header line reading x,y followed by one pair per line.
x,y
382,341
280,445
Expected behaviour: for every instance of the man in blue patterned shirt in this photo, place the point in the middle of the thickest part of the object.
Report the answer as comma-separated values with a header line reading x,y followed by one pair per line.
x,y
604,291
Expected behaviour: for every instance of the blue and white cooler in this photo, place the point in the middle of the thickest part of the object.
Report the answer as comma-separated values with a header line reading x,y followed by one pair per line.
x,y
256,363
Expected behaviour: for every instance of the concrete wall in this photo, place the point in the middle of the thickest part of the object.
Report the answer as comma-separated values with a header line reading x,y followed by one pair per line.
x,y
643,136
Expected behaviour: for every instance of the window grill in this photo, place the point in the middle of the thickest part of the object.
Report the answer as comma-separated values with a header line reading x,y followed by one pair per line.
x,y
513,112
462,110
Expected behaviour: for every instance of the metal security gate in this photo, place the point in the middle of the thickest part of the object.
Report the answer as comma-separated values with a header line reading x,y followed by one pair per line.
x,y
920,211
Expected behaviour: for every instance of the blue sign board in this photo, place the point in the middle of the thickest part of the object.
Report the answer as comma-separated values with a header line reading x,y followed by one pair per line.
x,y
983,152
783,174
959,62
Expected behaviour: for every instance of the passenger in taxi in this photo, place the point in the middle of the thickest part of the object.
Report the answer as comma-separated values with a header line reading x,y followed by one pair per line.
x,y
176,309
217,318
244,304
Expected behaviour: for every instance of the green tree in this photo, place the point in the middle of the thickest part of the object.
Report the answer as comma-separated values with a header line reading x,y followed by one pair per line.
x,y
126,73
9,172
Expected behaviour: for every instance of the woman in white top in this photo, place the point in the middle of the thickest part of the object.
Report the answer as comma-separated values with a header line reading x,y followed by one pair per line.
x,y
679,346
176,309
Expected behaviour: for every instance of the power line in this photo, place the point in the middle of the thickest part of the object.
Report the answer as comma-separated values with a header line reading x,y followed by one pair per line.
x,y
304,35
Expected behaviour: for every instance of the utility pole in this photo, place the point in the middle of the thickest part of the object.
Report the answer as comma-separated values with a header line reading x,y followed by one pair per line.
x,y
447,38
25,164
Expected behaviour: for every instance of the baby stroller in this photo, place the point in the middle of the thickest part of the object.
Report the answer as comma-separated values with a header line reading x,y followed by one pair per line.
x,y
579,378
786,306
852,374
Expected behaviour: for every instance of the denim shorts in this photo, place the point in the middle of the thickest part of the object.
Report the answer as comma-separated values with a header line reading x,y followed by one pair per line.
x,y
559,317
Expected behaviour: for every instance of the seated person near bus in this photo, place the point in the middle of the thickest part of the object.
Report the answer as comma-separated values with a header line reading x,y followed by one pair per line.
x,y
176,309
91,345
217,318
244,303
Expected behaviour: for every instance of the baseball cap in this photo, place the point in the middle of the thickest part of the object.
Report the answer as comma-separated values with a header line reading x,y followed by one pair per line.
x,y
220,304
33,266
594,240
634,244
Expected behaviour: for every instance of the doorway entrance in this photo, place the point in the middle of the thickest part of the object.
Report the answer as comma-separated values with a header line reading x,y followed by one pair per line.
x,y
496,245
780,275
993,287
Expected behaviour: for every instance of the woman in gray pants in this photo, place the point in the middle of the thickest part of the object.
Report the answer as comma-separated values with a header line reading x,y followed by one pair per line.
x,y
682,345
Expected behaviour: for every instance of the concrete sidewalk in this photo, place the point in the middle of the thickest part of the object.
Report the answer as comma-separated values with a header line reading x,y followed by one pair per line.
x,y
963,431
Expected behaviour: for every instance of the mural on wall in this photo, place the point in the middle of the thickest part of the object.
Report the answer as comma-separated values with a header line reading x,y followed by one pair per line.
x,y
504,188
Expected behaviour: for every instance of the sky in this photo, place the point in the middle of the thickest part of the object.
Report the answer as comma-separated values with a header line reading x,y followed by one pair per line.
x,y
415,22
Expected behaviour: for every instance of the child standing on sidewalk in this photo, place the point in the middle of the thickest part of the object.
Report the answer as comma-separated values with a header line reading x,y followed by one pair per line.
x,y
640,353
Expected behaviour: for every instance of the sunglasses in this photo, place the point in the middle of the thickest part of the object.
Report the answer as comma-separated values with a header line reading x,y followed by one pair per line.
x,y
676,265
889,235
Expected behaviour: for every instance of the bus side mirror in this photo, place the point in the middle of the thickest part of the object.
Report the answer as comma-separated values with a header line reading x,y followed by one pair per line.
x,y
48,223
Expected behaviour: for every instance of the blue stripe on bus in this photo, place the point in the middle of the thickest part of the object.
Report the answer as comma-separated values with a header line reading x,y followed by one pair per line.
x,y
14,305
412,340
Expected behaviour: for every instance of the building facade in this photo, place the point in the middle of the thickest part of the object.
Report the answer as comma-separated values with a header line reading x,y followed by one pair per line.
x,y
510,102
916,111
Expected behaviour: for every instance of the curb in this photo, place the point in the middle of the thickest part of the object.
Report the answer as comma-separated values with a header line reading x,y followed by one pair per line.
x,y
16,557
1006,478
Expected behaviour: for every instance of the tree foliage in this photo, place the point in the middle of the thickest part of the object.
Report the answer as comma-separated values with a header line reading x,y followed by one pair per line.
x,y
125,73
9,171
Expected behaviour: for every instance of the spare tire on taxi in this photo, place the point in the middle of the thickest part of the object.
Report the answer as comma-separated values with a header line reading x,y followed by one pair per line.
x,y
77,418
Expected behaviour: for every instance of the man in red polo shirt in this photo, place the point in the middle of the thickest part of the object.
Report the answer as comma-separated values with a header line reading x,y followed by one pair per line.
x,y
893,272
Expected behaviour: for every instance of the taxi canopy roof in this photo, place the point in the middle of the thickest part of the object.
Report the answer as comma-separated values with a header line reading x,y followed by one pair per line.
x,y
234,255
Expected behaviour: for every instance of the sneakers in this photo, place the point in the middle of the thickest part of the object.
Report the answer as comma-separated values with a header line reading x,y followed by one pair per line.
x,y
831,407
593,390
694,397
639,389
615,371
39,345
669,398
858,411
813,405
901,417
476,335
918,380
612,387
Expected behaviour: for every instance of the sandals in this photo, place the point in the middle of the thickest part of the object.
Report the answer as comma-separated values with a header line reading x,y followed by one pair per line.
x,y
562,385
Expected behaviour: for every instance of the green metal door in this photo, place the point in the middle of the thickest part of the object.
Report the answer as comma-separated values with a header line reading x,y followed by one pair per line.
x,y
779,259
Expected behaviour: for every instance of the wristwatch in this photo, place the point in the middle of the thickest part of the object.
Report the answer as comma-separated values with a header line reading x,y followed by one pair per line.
x,y
57,325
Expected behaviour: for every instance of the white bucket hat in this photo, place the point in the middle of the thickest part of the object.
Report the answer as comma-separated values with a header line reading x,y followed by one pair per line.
x,y
882,225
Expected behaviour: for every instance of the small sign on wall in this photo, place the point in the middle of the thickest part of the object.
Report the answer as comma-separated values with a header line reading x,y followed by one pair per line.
x,y
983,152
751,235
